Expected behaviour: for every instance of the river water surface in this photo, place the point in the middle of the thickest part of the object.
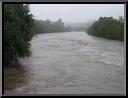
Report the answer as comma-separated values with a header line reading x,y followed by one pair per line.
x,y
73,63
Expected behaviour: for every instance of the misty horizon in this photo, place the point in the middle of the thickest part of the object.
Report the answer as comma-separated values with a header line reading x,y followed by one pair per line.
x,y
76,13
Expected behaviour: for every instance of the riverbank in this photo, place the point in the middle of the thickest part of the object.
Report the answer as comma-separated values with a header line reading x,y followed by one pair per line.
x,y
13,77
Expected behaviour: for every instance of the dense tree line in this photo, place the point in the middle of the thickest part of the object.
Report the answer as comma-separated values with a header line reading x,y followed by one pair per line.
x,y
107,27
18,24
49,26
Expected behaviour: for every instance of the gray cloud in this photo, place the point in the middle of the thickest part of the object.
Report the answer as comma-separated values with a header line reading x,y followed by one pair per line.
x,y
76,12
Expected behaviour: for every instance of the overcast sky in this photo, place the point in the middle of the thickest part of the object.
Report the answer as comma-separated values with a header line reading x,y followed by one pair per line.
x,y
75,13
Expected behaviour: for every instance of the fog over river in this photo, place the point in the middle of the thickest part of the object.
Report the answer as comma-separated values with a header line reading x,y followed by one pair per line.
x,y
73,63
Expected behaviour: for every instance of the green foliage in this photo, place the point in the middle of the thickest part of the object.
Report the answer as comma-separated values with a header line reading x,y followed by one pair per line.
x,y
107,27
48,26
18,25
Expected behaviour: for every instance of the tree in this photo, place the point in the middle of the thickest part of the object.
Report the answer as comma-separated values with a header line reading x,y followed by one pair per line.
x,y
18,25
50,27
108,27
121,19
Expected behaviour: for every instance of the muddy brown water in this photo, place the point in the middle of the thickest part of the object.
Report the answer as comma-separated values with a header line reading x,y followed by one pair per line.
x,y
71,63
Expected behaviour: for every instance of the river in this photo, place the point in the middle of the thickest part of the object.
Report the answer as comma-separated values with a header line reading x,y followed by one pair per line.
x,y
73,63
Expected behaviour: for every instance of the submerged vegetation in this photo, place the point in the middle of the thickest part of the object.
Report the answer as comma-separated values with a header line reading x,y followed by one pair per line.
x,y
107,27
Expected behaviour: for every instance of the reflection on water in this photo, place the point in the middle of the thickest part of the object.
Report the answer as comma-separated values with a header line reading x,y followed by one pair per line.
x,y
70,63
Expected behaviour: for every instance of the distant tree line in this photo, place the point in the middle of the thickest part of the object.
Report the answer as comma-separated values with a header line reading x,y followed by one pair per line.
x,y
18,24
49,26
107,27
79,28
